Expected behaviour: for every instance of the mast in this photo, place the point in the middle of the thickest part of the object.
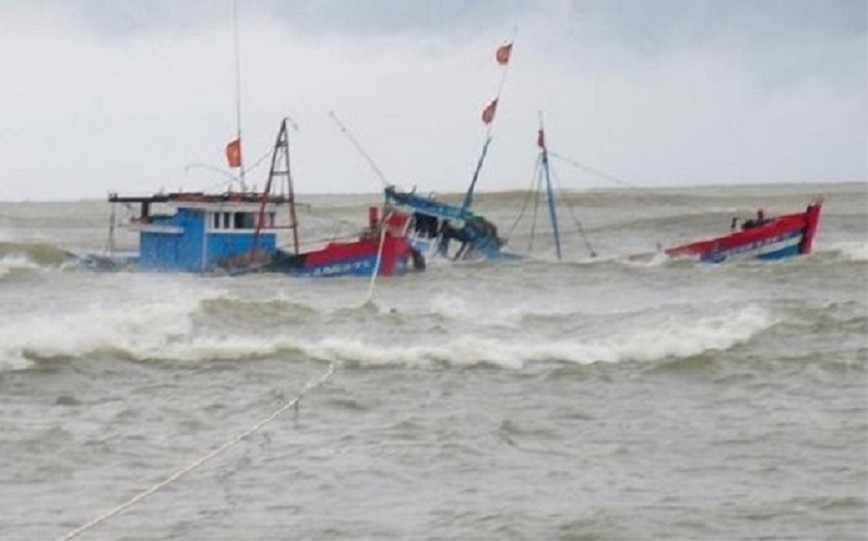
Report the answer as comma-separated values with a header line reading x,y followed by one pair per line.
x,y
468,197
488,114
238,94
279,168
541,141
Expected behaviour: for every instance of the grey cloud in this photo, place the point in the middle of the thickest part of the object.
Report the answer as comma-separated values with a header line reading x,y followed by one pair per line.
x,y
650,24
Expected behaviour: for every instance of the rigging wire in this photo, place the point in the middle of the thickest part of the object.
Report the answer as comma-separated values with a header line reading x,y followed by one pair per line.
x,y
616,180
576,220
530,191
361,150
232,178
309,386
537,190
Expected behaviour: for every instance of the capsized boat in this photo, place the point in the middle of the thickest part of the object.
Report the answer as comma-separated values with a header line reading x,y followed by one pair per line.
x,y
238,233
762,237
442,229
452,231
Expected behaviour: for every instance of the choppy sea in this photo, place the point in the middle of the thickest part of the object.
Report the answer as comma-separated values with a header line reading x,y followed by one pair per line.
x,y
588,398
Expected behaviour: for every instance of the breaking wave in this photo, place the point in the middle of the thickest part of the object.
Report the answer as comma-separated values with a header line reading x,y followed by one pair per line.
x,y
849,251
167,331
670,340
42,254
12,265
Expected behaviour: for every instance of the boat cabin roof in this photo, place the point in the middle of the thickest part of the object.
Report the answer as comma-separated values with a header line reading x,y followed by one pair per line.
x,y
198,198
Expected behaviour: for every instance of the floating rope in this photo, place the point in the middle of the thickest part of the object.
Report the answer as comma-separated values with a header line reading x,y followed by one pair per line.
x,y
379,260
310,385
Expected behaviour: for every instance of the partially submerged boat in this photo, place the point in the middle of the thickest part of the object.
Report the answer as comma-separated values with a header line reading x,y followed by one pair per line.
x,y
441,229
760,238
237,232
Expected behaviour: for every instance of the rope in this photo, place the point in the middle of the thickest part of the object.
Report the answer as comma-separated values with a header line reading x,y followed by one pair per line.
x,y
379,258
535,210
361,150
530,191
616,180
310,385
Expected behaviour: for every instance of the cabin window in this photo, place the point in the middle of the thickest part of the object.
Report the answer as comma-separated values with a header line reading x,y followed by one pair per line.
x,y
226,220
270,219
244,220
215,220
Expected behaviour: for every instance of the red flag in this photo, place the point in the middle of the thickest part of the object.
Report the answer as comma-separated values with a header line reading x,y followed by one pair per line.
x,y
488,113
541,139
503,53
233,153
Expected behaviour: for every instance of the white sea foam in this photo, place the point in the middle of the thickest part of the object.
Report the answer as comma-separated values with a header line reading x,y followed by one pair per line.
x,y
12,262
145,330
661,340
165,330
849,250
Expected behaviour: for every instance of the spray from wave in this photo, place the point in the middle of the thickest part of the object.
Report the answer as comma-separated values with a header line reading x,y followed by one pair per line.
x,y
848,250
661,340
168,331
42,254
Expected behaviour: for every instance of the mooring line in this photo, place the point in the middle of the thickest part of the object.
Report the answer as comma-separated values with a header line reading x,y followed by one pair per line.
x,y
310,385
379,259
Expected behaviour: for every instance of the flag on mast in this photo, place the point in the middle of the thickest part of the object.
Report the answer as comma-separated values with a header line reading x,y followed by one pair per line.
x,y
488,112
233,153
541,139
503,53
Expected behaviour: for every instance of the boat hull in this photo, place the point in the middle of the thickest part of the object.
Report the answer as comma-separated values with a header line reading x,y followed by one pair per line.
x,y
358,258
219,234
778,238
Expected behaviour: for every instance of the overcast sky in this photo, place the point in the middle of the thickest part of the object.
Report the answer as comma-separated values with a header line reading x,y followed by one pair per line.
x,y
122,95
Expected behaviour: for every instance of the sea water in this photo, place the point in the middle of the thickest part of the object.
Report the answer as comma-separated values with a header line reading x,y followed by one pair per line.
x,y
587,398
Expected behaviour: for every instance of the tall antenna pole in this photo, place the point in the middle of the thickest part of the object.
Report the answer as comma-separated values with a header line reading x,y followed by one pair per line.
x,y
238,93
545,167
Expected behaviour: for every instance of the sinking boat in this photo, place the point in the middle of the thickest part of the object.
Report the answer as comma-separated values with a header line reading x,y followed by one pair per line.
x,y
441,229
762,237
237,232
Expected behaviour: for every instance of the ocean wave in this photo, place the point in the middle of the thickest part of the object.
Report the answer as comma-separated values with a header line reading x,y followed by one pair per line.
x,y
847,250
226,308
41,253
15,264
97,328
663,340
168,330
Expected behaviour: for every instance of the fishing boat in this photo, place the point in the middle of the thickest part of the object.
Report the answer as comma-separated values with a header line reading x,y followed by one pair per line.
x,y
762,237
441,229
237,232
